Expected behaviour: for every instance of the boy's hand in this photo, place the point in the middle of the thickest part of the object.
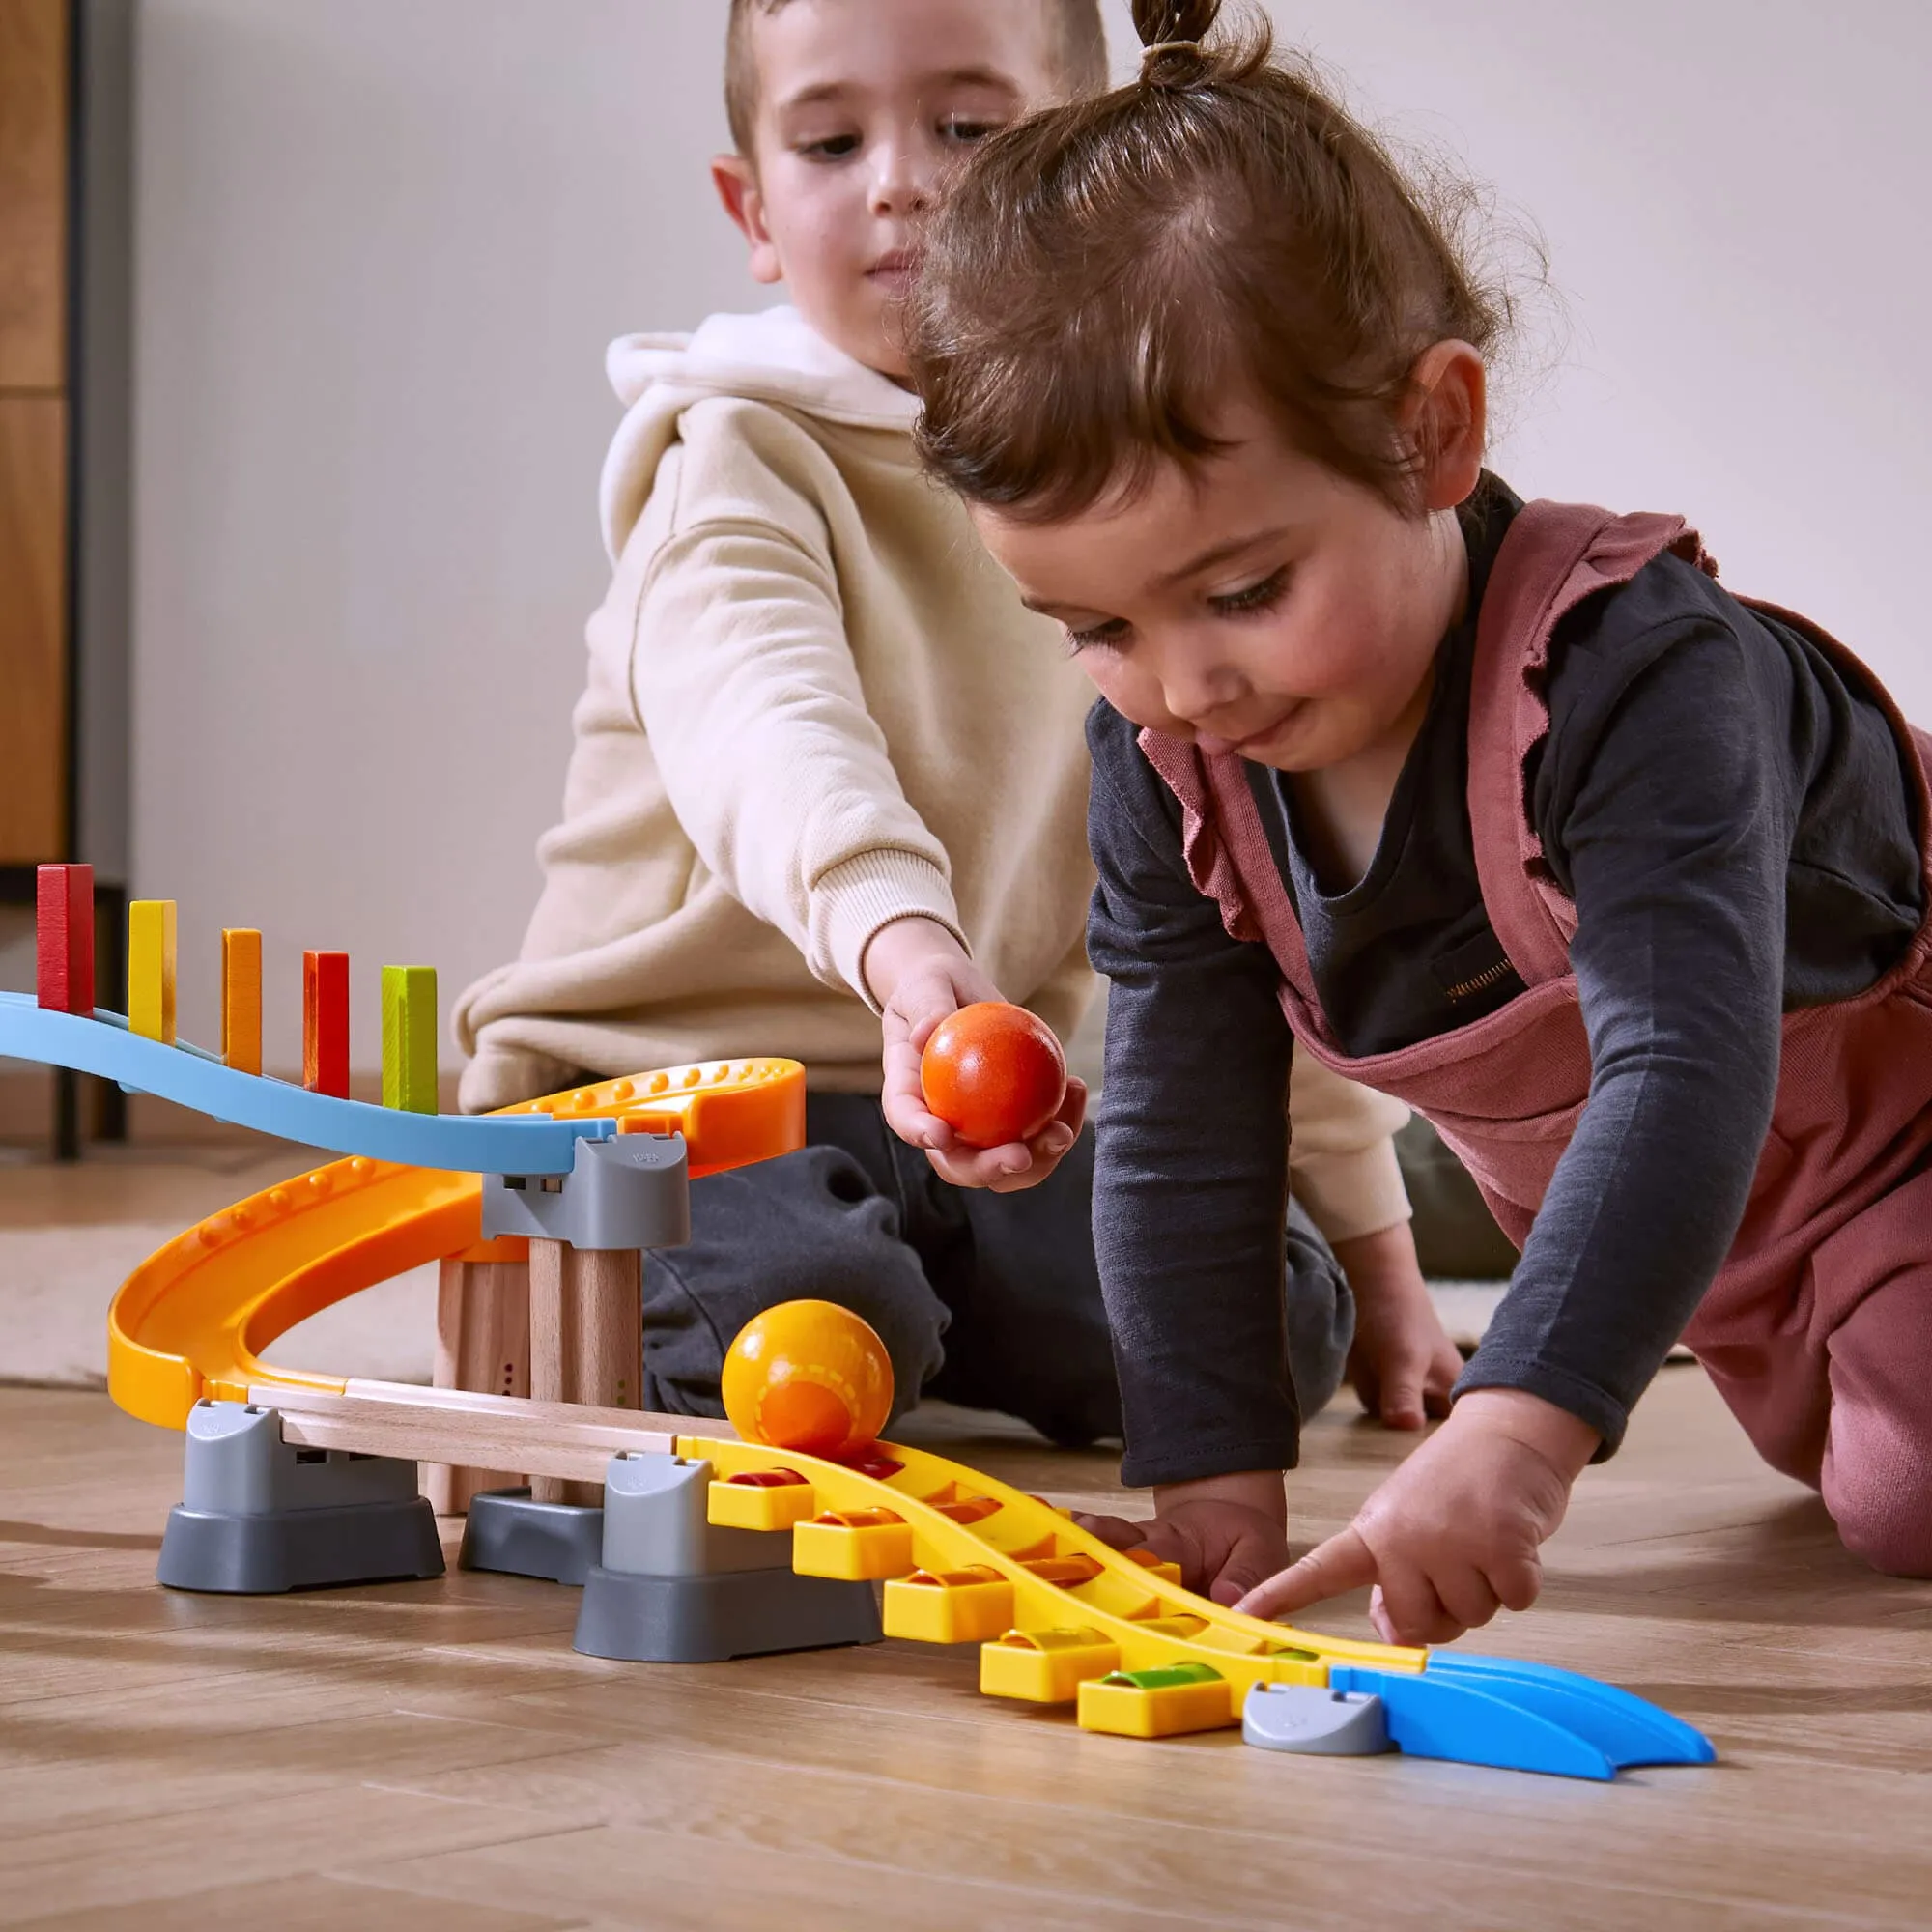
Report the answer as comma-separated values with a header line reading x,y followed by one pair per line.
x,y
1225,1532
1454,1535
1403,1364
919,974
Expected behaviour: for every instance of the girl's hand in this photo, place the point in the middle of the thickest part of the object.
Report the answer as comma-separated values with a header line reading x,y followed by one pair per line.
x,y
920,972
1455,1533
1403,1364
1225,1532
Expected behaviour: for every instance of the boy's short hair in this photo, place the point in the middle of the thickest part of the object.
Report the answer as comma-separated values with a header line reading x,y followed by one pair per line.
x,y
1079,56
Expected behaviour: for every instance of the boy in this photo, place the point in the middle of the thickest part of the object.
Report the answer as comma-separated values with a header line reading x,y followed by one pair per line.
x,y
830,777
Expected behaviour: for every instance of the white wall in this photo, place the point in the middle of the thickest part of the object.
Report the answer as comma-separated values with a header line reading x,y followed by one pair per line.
x,y
381,246
1734,196
381,250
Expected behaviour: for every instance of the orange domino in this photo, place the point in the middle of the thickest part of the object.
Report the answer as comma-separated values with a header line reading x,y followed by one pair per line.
x,y
325,1023
242,1000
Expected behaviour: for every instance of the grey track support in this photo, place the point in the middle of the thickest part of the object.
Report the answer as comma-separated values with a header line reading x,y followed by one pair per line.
x,y
506,1532
630,1192
653,1523
674,1589
656,1524
708,1619
259,1515
1313,1719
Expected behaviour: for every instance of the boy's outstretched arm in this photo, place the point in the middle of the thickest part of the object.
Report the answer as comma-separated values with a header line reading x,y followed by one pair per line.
x,y
740,673
918,972
1455,1534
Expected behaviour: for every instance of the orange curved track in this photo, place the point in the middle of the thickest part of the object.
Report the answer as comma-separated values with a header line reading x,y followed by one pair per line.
x,y
190,1321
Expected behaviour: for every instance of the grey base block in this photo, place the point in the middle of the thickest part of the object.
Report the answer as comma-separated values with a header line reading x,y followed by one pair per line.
x,y
228,1553
509,1533
708,1619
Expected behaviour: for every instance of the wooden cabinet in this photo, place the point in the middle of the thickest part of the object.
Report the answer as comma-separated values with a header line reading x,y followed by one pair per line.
x,y
35,224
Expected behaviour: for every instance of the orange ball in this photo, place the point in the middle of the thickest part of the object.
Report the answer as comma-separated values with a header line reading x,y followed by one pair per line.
x,y
808,1376
993,1073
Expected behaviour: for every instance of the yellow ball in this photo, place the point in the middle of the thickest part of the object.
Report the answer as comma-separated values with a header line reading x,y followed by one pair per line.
x,y
809,1377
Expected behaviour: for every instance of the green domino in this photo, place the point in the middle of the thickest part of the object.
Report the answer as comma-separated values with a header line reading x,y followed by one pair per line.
x,y
409,1038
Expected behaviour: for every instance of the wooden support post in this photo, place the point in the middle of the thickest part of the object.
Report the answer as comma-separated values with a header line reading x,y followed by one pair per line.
x,y
64,938
483,1345
586,1339
409,1038
242,1000
151,970
325,1023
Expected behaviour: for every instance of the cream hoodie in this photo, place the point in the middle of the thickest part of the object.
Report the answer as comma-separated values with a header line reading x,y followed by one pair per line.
x,y
814,705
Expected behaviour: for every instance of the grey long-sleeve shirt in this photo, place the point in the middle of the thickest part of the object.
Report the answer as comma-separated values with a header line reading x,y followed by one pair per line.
x,y
1729,815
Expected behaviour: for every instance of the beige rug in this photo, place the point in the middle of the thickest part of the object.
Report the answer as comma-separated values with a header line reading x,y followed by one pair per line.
x,y
55,1285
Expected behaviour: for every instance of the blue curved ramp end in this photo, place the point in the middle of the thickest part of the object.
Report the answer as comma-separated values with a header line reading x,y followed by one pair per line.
x,y
1431,1717
1627,1728
462,1144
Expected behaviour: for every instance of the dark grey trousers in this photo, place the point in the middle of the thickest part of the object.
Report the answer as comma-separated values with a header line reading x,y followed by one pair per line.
x,y
990,1300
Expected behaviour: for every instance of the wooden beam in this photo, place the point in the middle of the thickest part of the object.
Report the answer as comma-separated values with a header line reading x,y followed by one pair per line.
x,y
560,1440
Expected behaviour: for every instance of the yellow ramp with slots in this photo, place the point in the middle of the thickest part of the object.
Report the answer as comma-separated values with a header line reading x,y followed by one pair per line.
x,y
1058,1613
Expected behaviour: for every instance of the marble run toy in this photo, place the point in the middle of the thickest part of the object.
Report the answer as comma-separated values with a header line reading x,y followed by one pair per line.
x,y
691,1543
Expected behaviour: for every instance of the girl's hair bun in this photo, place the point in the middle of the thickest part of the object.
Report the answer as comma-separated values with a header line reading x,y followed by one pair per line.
x,y
1171,33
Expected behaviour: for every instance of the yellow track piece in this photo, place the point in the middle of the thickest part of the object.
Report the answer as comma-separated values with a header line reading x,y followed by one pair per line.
x,y
963,1551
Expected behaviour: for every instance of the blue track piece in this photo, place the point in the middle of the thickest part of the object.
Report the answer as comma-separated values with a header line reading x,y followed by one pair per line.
x,y
1626,1728
1450,1718
189,1077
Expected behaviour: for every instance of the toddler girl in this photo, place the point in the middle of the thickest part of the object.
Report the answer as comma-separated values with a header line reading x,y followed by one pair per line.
x,y
1506,809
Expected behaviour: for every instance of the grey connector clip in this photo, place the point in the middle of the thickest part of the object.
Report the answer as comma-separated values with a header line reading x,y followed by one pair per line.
x,y
630,1192
1313,1719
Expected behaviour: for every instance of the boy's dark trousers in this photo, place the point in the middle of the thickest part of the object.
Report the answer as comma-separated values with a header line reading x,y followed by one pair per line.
x,y
990,1300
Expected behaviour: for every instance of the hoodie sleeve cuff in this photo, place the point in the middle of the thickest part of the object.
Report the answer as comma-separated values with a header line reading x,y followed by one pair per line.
x,y
1350,1193
852,902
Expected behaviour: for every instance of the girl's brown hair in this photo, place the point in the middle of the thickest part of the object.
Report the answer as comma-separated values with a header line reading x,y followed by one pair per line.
x,y
1103,275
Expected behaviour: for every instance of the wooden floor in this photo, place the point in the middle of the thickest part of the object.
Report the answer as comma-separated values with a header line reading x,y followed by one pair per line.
x,y
434,1755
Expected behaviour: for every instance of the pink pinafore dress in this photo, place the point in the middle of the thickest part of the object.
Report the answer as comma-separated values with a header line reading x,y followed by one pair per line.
x,y
1818,1329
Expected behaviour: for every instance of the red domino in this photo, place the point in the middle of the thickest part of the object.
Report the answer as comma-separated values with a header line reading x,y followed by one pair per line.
x,y
64,938
325,1023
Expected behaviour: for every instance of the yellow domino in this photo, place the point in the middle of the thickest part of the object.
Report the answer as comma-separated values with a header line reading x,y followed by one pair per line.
x,y
1045,1666
151,970
409,1038
737,1504
1163,1703
854,1546
966,1605
242,1000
